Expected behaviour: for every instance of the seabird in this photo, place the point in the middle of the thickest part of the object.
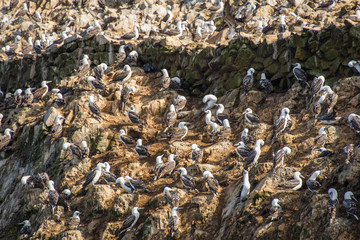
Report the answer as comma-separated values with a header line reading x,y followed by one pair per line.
x,y
5,139
282,24
209,101
28,98
332,204
328,4
93,176
41,92
170,118
266,84
275,210
324,152
278,158
75,150
212,183
245,189
108,176
245,137
220,115
167,168
350,153
165,80
134,35
56,129
251,117
141,150
136,184
208,117
18,98
329,118
241,150
177,31
65,199
169,15
179,133
196,153
121,55
158,165
39,180
84,65
74,220
130,221
354,122
9,100
94,108
179,102
215,128
53,195
1,118
350,205
171,196
316,85
174,220
124,75
254,154
187,180
248,80
126,139
97,84
99,71
225,130
59,101
125,96
318,105
175,83
92,30
247,15
331,98
281,123
312,184
320,139
132,58
85,150
134,117
300,74
219,7
293,184
354,64
125,185
26,229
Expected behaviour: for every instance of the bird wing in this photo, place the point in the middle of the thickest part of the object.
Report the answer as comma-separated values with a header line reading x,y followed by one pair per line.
x,y
188,181
4,141
142,151
300,74
355,122
243,151
224,132
253,117
39,92
138,184
313,185
213,184
53,197
95,109
251,157
134,117
127,223
171,119
99,72
316,86
177,134
76,150
88,178
197,155
63,201
172,197
166,169
278,157
129,35
109,177
120,76
319,141
279,126
291,183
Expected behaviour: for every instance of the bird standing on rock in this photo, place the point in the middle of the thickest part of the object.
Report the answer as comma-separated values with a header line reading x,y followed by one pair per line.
x,y
168,167
251,117
124,75
209,101
130,221
94,108
248,80
211,181
134,117
254,155
300,74
275,210
350,205
141,150
312,184
332,204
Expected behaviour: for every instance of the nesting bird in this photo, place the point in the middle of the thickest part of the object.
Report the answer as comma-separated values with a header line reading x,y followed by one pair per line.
x,y
125,96
99,71
134,35
293,184
158,165
5,139
245,137
41,92
331,98
125,185
179,102
74,221
170,118
56,129
53,196
312,184
278,158
97,84
141,150
134,117
266,84
245,190
241,150
212,183
65,199
220,115
187,180
196,153
320,139
281,123
171,196
179,133
174,220
225,130
124,75
59,101
167,167
136,184
316,85
126,139
39,180
108,176
75,150
354,122
93,176
275,210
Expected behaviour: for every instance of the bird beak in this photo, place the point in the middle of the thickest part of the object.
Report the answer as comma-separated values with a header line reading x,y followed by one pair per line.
x,y
32,89
180,208
302,176
12,130
236,145
280,201
186,123
141,208
176,155
353,197
48,81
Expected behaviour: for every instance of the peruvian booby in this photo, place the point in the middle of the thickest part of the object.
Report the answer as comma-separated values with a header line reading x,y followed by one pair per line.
x,y
134,35
350,153
248,80
251,117
293,184
170,118
132,58
178,31
208,117
275,210
316,108
93,176
141,150
245,189
282,24
278,158
245,15
300,74
53,195
124,75
56,129
241,150
312,184
125,96
97,84
41,92
158,165
254,154
324,152
65,199
220,115
169,15
99,71
75,150
84,65
225,130
196,153
354,122
330,118
174,220
1,118
126,139
121,55
39,180
9,100
85,150
245,137
350,205
316,85
74,221
136,184
329,4
165,80
134,117
179,133
91,31
281,123
211,181
28,97
168,167
219,7
125,185
5,139
18,98
209,101
320,139
171,196
26,228
130,221
331,98
94,108
179,102
332,204
187,180
108,176
266,84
